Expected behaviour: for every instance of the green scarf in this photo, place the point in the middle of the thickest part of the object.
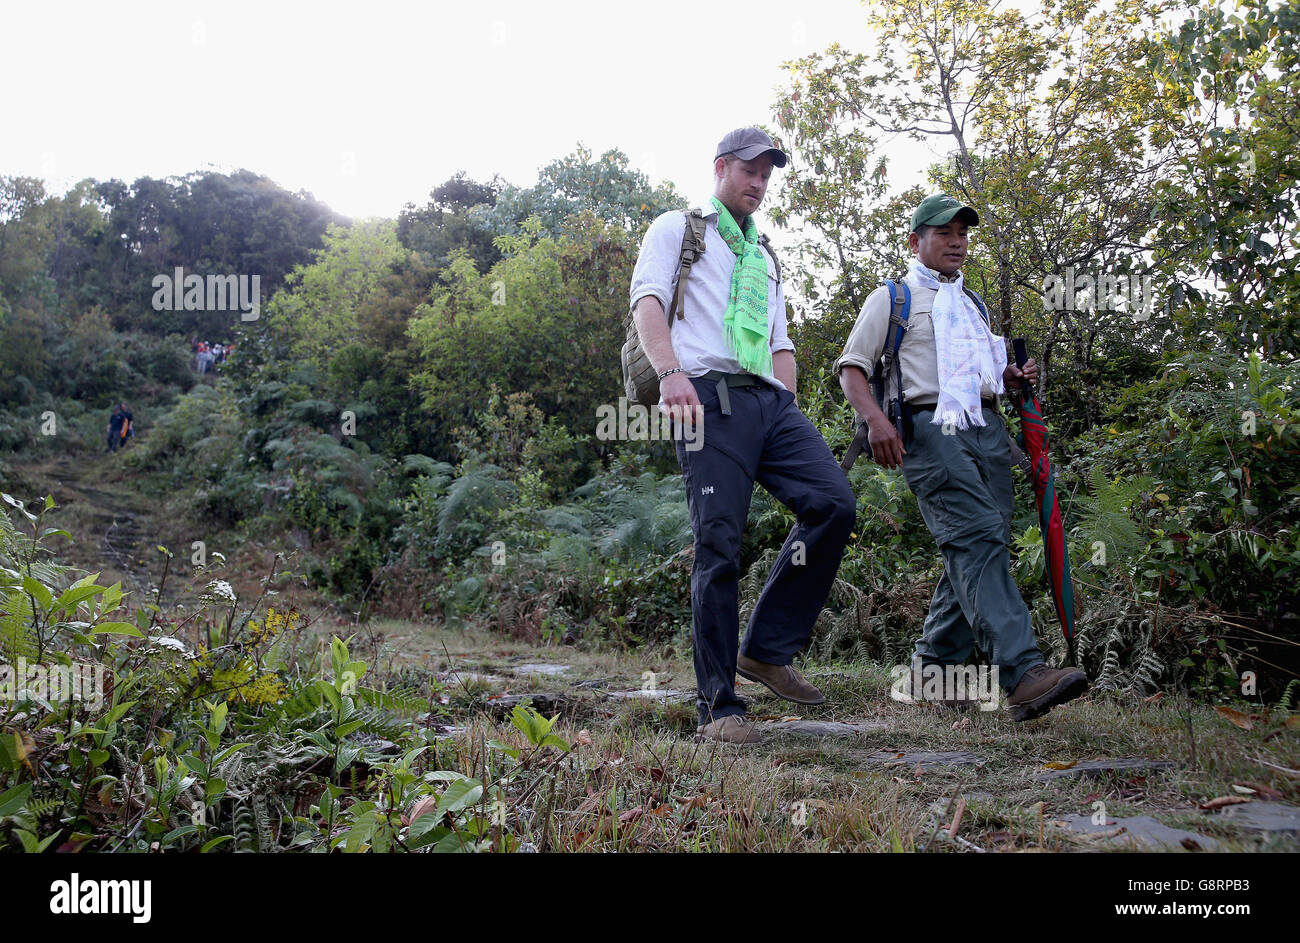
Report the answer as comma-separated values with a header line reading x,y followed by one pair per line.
x,y
746,316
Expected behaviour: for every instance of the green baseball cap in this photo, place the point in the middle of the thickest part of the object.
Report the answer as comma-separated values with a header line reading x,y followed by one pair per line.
x,y
939,208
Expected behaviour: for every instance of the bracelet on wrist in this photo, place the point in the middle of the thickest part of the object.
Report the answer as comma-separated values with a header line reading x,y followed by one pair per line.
x,y
670,373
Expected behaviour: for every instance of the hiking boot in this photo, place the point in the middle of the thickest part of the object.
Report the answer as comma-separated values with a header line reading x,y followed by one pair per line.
x,y
781,680
916,691
733,728
1042,688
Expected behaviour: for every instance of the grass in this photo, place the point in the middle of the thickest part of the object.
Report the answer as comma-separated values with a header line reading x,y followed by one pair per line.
x,y
637,780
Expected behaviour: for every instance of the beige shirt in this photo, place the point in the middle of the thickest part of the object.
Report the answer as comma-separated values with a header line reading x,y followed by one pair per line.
x,y
916,356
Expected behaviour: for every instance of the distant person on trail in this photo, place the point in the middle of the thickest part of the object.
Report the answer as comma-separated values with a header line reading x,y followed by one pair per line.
x,y
728,358
116,420
128,424
956,457
205,357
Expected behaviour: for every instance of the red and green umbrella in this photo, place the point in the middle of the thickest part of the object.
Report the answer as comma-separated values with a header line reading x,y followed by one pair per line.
x,y
1056,555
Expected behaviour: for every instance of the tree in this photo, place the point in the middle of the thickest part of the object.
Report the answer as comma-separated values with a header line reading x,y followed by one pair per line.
x,y
24,233
545,319
318,311
1229,108
606,187
1046,131
445,223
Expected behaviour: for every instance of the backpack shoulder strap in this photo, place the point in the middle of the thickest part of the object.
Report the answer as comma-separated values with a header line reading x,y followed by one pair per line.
x,y
692,249
900,307
767,245
979,303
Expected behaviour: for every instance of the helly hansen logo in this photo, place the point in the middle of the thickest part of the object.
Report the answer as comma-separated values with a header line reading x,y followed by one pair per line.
x,y
707,489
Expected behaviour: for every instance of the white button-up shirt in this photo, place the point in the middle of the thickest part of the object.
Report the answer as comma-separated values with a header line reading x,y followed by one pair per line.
x,y
700,339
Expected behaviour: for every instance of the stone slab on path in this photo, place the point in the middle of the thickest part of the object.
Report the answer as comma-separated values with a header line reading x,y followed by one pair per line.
x,y
819,729
662,694
1097,768
1138,833
542,703
1271,817
454,678
539,668
926,758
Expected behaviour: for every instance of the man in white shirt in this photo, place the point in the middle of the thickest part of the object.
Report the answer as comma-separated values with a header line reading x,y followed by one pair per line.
x,y
728,358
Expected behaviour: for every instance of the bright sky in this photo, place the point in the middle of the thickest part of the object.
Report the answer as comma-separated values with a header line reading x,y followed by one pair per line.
x,y
369,106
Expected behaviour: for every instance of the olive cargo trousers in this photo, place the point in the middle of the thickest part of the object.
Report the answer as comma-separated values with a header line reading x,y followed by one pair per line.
x,y
962,483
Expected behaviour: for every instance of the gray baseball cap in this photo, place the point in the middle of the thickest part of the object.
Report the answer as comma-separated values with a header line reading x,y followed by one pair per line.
x,y
748,143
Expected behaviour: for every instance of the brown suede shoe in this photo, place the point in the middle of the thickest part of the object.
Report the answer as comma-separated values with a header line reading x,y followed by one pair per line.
x,y
733,728
781,680
1042,688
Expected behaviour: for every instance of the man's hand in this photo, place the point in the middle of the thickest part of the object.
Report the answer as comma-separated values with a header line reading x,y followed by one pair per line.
x,y
680,398
886,445
1012,375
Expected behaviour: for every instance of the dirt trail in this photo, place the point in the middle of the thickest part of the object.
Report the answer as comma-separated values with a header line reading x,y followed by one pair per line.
x,y
115,527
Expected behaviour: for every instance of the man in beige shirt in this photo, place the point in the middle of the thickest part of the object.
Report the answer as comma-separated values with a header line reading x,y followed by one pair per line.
x,y
956,459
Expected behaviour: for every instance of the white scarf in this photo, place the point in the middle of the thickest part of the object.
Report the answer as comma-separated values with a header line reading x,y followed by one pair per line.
x,y
969,354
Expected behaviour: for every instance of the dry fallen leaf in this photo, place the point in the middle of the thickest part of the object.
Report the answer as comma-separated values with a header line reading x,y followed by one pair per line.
x,y
1244,790
1222,801
1237,718
1069,765
1264,792
631,815
427,804
1155,698
1293,722
583,739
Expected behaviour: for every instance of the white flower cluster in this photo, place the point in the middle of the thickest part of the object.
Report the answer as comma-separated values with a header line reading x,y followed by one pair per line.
x,y
221,590
174,644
